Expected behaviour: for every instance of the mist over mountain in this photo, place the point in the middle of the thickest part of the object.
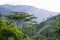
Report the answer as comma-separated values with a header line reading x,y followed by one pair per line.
x,y
39,13
4,10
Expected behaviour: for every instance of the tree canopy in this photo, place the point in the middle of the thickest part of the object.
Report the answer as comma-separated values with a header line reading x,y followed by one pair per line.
x,y
9,30
21,18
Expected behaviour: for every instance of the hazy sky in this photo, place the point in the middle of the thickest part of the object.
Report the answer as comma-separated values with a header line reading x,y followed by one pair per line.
x,y
51,5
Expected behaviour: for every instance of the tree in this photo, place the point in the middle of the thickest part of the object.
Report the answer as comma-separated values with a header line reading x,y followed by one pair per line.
x,y
27,38
21,18
39,37
29,30
57,30
9,31
58,22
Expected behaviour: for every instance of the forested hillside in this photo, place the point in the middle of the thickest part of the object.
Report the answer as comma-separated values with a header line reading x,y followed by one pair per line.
x,y
23,26
50,22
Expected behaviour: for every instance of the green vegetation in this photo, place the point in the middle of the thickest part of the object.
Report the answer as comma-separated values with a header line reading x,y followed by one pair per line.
x,y
9,31
22,26
57,32
20,18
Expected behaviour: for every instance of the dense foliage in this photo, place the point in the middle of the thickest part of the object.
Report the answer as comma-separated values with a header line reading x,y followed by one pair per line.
x,y
22,26
9,31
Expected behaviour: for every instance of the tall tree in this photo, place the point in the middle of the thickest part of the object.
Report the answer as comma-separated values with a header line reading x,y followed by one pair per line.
x,y
21,18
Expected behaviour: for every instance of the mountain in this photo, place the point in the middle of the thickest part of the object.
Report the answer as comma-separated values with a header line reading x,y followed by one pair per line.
x,y
4,10
43,29
39,13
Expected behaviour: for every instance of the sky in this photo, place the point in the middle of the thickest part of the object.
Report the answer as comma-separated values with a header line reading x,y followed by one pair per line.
x,y
51,5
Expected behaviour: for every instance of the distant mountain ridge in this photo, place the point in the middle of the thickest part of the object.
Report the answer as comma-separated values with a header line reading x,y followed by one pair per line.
x,y
39,13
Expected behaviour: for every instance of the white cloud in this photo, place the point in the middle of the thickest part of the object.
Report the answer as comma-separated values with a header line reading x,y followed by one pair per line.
x,y
51,5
